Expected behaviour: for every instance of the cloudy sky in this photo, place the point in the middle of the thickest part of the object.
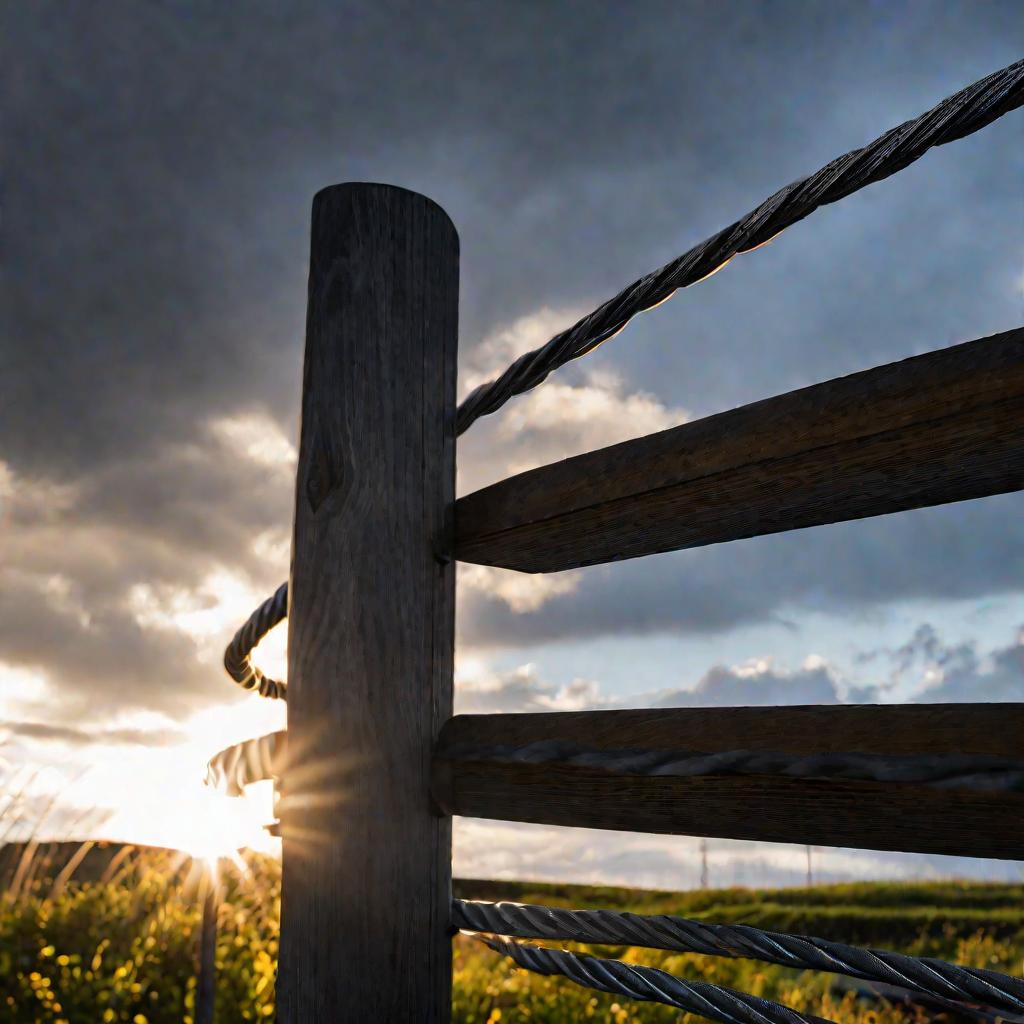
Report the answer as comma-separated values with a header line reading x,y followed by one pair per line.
x,y
159,162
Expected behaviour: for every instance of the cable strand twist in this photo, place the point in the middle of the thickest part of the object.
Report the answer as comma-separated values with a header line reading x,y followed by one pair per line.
x,y
953,118
648,984
238,655
924,975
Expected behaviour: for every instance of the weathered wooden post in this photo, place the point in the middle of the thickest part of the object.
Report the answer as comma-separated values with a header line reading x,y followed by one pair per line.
x,y
367,861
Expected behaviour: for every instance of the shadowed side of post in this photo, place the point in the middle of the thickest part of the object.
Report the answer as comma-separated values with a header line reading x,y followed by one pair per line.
x,y
367,861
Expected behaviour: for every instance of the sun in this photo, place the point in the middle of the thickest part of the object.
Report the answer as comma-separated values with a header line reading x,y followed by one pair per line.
x,y
160,797
220,825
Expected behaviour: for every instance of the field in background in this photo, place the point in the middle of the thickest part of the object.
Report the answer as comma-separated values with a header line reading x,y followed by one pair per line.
x,y
116,942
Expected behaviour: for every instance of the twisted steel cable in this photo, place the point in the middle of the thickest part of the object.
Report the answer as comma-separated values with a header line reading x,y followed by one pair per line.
x,y
924,975
244,763
943,771
648,984
954,118
237,656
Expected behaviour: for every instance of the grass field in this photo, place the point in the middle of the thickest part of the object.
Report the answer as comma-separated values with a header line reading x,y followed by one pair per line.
x,y
121,946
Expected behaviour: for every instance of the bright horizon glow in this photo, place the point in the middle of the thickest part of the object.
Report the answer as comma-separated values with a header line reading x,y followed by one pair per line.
x,y
153,795
202,822
170,805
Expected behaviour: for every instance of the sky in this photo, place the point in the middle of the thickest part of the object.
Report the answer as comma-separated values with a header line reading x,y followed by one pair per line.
x,y
159,164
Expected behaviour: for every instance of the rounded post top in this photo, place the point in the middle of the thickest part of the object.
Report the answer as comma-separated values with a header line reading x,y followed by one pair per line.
x,y
349,191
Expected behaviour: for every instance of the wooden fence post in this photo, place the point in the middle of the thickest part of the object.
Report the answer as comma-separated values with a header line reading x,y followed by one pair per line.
x,y
367,860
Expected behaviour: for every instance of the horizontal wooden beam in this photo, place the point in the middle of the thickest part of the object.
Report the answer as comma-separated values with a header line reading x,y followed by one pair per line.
x,y
936,428
914,818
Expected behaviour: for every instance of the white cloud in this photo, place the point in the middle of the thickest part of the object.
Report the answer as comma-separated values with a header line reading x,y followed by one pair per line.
x,y
479,691
521,592
512,851
931,669
274,546
559,420
21,689
509,341
757,683
32,501
256,437
958,673
220,600
556,420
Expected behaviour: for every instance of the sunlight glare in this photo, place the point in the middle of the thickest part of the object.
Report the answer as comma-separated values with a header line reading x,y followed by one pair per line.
x,y
158,795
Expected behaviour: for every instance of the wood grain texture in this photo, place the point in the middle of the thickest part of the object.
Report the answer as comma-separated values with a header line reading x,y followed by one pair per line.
x,y
367,860
936,428
912,818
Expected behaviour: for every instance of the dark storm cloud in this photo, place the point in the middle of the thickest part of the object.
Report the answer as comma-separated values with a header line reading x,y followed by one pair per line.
x,y
160,160
104,663
83,563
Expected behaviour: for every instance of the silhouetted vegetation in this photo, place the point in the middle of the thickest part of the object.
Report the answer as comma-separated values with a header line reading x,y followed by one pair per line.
x,y
119,943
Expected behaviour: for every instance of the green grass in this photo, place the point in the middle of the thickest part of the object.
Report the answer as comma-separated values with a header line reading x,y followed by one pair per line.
x,y
122,947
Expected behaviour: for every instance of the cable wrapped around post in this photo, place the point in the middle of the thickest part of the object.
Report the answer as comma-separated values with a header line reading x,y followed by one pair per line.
x,y
648,984
954,118
245,763
237,657
919,974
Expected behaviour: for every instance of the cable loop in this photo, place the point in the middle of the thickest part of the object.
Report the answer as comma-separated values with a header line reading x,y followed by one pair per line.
x,y
238,655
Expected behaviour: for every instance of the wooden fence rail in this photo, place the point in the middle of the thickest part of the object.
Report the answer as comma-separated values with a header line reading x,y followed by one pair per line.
x,y
940,427
829,812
